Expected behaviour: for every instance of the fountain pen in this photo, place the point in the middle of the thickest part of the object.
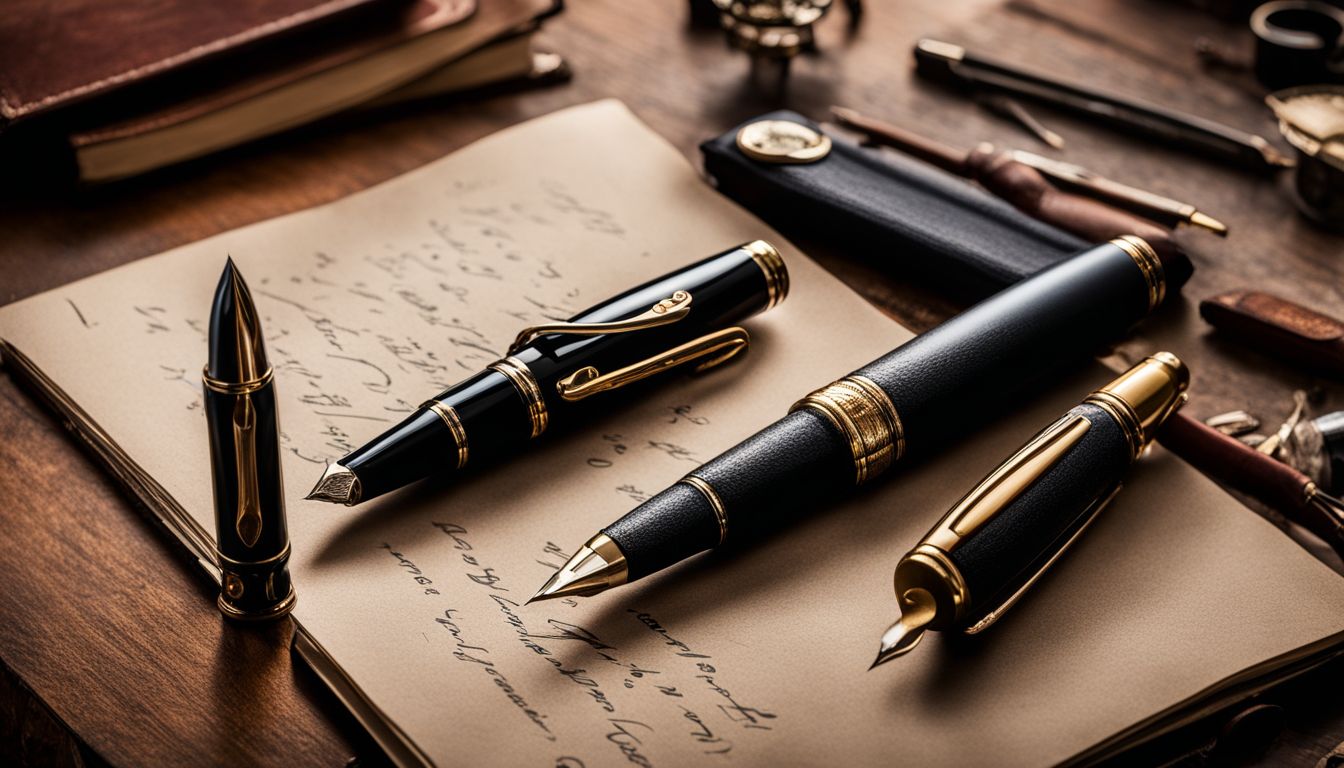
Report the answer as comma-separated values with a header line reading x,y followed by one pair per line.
x,y
251,535
922,394
684,318
983,556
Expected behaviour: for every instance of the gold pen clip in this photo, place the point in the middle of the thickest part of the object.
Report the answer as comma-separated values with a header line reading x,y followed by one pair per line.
x,y
669,310
709,350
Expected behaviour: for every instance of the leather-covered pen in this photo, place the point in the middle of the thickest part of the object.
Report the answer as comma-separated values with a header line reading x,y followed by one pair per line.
x,y
997,540
922,394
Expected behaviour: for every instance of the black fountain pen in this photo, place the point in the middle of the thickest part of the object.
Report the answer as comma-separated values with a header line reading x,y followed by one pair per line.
x,y
925,392
998,540
682,318
252,537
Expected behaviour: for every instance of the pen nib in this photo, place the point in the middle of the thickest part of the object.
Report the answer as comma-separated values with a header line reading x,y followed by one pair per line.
x,y
337,486
598,566
917,610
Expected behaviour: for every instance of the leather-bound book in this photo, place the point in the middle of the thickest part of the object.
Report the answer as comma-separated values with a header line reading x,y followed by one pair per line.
x,y
55,54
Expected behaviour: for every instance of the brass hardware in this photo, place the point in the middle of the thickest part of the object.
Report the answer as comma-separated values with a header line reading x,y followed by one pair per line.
x,y
241,387
273,611
247,517
782,141
863,412
929,569
1009,481
226,562
598,565
1149,264
1089,515
711,350
1143,397
449,415
517,372
669,310
776,273
715,502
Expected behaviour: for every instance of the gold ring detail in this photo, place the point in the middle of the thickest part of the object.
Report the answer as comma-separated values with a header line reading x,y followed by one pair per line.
x,y
239,387
516,371
449,415
712,495
1149,264
942,565
1124,416
768,258
223,560
863,412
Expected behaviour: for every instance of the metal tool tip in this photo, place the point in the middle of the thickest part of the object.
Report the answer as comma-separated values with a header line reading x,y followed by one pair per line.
x,y
338,485
899,639
598,566
1206,221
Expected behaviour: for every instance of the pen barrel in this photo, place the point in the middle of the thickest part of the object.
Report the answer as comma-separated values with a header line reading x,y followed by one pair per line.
x,y
1007,551
723,289
250,529
551,378
922,394
955,376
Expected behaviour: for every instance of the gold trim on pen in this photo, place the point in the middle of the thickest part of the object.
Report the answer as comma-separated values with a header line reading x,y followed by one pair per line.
x,y
239,387
449,415
768,258
712,495
517,372
863,412
1149,264
225,561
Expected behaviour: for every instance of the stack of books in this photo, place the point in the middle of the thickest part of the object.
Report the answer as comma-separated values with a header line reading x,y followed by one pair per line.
x,y
128,87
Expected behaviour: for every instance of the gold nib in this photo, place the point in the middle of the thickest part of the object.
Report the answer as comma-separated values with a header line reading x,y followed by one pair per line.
x,y
1208,222
598,566
338,486
917,610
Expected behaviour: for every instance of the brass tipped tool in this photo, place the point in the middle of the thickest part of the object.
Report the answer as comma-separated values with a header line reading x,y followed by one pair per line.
x,y
990,166
598,566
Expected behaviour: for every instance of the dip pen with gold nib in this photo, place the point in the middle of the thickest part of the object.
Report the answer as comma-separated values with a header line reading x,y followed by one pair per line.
x,y
998,540
684,319
240,411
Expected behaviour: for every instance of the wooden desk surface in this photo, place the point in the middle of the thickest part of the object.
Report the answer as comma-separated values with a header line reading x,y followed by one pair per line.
x,y
106,635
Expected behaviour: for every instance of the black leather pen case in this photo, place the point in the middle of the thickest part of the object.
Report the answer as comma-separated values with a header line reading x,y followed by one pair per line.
x,y
892,211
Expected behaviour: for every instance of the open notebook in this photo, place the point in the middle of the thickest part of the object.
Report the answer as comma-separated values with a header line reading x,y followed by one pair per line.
x,y
1178,598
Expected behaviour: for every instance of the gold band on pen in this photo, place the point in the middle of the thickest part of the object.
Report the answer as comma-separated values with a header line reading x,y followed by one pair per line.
x,y
863,412
1149,264
238,387
768,258
520,375
715,502
227,561
449,415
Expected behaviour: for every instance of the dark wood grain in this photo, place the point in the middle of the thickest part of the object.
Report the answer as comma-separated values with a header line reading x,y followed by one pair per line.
x,y
111,646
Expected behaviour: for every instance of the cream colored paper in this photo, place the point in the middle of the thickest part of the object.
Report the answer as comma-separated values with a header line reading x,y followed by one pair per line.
x,y
373,303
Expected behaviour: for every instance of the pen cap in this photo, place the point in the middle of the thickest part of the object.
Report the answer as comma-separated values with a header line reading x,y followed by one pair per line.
x,y
1142,397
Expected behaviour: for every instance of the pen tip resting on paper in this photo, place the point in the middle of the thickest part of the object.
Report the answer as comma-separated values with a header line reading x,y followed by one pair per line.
x,y
598,566
918,609
338,485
